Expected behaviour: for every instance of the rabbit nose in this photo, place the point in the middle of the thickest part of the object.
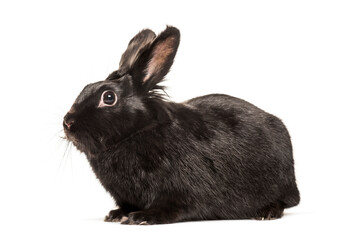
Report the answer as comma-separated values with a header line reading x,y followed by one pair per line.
x,y
68,122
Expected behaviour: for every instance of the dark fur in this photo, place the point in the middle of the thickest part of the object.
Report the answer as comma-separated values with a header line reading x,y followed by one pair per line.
x,y
212,157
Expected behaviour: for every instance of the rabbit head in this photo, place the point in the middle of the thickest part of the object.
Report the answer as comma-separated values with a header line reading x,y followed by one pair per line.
x,y
108,111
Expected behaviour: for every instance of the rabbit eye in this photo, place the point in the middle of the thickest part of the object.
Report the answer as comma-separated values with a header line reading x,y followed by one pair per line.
x,y
108,98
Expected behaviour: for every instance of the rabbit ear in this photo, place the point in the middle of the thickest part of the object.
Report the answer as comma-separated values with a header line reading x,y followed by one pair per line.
x,y
135,47
155,62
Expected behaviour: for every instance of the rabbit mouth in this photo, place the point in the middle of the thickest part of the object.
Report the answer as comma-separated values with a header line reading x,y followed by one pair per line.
x,y
71,138
84,142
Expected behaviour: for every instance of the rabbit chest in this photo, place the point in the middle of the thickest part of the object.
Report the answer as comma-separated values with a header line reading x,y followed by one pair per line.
x,y
133,174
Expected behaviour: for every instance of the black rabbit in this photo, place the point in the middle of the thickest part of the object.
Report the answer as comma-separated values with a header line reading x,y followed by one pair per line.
x,y
211,157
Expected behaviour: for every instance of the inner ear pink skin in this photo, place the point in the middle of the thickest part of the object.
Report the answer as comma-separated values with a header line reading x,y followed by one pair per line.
x,y
102,104
160,55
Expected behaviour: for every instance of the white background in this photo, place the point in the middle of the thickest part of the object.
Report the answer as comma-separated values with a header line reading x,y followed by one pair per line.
x,y
282,56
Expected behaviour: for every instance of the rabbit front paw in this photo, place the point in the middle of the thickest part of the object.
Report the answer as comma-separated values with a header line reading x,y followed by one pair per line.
x,y
147,217
116,215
